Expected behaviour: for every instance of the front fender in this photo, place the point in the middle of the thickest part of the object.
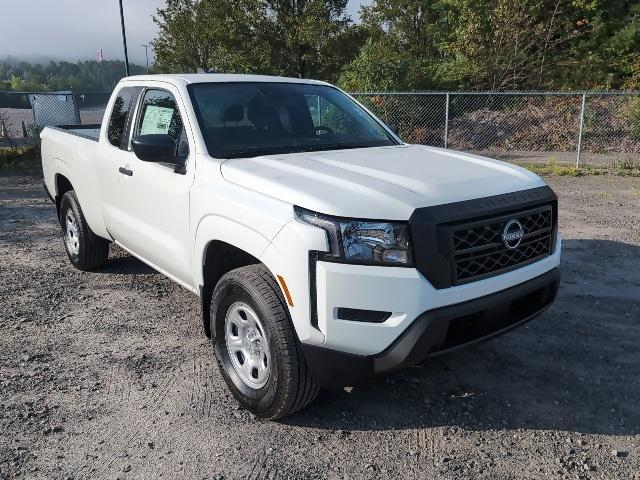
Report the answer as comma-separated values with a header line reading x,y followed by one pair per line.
x,y
224,229
288,256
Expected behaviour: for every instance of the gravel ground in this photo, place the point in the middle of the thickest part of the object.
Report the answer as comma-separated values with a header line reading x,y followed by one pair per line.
x,y
108,375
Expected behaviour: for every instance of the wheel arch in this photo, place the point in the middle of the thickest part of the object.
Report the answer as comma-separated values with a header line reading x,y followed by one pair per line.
x,y
223,244
219,258
62,186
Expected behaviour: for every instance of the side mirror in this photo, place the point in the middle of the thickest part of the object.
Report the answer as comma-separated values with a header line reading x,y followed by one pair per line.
x,y
393,128
156,148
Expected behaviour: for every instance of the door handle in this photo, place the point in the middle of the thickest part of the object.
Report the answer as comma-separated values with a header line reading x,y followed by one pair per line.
x,y
124,171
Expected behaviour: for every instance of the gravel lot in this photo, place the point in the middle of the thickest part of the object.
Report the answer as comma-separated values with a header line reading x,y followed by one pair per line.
x,y
108,374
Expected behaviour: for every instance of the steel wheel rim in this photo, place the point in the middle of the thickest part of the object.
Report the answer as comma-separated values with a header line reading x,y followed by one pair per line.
x,y
247,345
71,233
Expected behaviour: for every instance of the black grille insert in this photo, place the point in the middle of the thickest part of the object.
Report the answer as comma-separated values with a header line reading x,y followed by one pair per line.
x,y
478,250
445,261
484,323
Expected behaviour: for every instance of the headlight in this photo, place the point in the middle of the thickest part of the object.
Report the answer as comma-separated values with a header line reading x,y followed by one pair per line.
x,y
362,241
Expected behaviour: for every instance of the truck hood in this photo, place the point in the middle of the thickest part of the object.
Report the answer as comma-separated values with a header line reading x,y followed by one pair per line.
x,y
383,182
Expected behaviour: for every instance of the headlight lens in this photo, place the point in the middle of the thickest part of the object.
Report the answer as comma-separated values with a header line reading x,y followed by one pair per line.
x,y
362,241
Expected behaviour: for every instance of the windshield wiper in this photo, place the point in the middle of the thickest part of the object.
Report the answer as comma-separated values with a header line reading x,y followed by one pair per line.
x,y
256,152
338,146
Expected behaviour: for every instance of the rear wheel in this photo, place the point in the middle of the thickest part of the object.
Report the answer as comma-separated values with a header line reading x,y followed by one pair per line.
x,y
255,345
85,249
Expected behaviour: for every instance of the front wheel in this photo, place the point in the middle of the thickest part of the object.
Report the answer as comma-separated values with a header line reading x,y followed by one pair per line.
x,y
256,348
85,249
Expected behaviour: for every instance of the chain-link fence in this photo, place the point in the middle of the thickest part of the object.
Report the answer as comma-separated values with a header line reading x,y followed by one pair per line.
x,y
24,114
595,129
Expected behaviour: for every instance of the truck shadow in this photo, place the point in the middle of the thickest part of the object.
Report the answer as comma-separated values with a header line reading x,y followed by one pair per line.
x,y
121,262
575,368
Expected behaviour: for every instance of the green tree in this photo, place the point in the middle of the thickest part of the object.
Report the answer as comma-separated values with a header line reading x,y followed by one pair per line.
x,y
609,57
498,44
379,66
401,50
302,38
311,38
211,35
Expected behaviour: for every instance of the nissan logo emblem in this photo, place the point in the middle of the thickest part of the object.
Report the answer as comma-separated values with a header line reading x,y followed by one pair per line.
x,y
512,234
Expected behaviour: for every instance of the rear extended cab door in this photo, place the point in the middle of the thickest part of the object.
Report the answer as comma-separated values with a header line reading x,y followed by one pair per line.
x,y
114,138
151,216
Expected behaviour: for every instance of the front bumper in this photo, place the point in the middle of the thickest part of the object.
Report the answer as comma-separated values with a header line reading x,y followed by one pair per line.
x,y
404,293
438,331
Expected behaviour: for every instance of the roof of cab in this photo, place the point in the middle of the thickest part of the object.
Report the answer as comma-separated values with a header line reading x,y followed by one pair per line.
x,y
188,78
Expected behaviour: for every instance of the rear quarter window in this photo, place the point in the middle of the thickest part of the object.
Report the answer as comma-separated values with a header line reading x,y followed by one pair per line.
x,y
119,115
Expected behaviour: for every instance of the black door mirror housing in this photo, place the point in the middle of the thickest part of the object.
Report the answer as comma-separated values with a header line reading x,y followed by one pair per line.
x,y
393,128
156,148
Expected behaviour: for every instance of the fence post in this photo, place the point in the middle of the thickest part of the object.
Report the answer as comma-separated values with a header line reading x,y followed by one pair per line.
x,y
584,101
74,99
446,122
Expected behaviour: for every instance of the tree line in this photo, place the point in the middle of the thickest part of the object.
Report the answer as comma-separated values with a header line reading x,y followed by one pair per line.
x,y
410,44
85,76
397,45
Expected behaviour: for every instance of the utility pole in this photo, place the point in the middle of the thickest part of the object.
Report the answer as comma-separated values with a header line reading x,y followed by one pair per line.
x,y
146,54
124,41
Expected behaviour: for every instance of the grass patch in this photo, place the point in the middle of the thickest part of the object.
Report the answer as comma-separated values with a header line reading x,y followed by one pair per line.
x,y
552,168
628,168
11,152
604,195
19,159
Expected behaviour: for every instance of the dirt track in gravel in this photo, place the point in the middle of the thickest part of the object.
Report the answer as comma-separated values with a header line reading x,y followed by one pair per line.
x,y
108,375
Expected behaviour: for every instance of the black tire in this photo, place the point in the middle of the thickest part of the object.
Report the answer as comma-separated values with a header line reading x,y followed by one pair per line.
x,y
289,386
90,251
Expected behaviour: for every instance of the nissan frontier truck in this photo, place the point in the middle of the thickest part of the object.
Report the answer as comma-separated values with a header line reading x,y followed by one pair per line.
x,y
322,247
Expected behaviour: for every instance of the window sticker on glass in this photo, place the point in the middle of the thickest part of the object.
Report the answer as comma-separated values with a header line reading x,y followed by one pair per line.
x,y
156,120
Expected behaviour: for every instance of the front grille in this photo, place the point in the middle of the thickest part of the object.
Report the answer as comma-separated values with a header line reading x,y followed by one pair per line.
x,y
461,242
478,250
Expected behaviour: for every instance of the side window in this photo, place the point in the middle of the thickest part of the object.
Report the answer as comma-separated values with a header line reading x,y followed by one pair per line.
x,y
159,114
119,114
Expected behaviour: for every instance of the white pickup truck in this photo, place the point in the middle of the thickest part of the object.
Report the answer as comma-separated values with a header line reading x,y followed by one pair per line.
x,y
323,248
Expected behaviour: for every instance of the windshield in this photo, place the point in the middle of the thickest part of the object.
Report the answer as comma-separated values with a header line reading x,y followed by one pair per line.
x,y
251,119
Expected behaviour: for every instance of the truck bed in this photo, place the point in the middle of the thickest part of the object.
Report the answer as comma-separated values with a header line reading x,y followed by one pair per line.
x,y
72,152
90,131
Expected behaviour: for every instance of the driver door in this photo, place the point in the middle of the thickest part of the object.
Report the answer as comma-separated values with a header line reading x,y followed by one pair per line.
x,y
154,200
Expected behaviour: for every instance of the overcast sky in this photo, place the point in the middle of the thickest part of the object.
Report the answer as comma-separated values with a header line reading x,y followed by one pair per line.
x,y
77,29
